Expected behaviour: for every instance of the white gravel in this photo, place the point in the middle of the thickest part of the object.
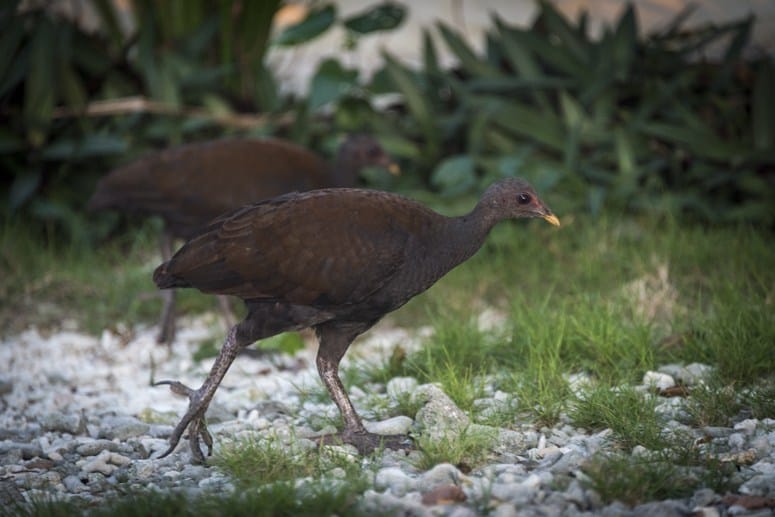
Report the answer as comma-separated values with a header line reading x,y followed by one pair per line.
x,y
79,419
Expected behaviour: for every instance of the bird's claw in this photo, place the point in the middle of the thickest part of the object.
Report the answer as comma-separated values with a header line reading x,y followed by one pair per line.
x,y
177,387
194,420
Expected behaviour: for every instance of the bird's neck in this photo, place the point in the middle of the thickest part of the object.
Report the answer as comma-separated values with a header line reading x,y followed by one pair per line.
x,y
345,171
464,235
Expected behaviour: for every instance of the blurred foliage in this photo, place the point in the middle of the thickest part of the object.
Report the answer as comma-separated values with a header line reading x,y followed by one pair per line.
x,y
74,102
625,121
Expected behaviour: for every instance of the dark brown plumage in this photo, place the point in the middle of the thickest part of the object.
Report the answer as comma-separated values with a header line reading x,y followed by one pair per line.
x,y
190,185
336,260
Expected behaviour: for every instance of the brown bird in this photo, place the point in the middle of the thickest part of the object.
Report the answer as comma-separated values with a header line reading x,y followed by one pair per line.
x,y
335,260
190,185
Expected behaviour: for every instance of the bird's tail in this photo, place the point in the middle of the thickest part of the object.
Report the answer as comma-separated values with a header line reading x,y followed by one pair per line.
x,y
166,280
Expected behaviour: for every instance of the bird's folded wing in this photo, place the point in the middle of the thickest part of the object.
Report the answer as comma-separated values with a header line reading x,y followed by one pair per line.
x,y
323,250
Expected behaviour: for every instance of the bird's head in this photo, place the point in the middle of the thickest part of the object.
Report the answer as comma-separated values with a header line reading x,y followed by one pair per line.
x,y
514,197
362,150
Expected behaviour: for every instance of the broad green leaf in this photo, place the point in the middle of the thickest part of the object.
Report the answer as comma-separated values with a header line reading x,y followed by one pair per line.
x,y
625,158
574,43
763,107
167,89
572,149
596,199
703,144
625,42
23,187
40,87
399,146
518,55
109,20
472,63
267,90
665,94
316,23
572,111
202,39
10,142
331,82
416,101
216,105
16,73
10,41
455,175
530,123
381,82
509,85
675,25
733,54
477,130
430,57
90,146
742,35
500,141
73,90
382,17
552,55
255,25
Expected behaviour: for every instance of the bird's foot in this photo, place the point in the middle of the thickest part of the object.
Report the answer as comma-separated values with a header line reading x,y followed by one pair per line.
x,y
367,442
194,420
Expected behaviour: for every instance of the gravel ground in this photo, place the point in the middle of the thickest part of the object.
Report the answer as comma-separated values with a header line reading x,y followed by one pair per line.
x,y
75,413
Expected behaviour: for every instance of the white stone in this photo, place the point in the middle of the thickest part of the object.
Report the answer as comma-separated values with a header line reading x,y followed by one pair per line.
x,y
440,475
747,426
395,480
397,425
401,386
661,381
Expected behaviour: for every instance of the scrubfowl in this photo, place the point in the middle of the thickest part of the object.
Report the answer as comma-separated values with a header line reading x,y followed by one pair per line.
x,y
335,260
190,185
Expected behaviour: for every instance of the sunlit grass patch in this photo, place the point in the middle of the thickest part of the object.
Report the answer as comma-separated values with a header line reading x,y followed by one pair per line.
x,y
255,460
637,479
467,449
630,414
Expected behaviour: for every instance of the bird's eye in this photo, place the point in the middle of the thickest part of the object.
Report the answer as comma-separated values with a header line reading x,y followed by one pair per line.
x,y
523,199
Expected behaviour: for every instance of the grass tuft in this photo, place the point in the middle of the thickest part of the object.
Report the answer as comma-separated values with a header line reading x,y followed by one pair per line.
x,y
253,460
630,414
466,450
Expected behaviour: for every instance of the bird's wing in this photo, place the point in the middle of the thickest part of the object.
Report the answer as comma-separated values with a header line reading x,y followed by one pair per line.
x,y
322,247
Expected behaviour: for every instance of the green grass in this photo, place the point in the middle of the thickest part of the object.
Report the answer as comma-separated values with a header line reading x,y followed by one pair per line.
x,y
628,413
467,449
610,298
97,287
258,460
634,479
714,404
277,499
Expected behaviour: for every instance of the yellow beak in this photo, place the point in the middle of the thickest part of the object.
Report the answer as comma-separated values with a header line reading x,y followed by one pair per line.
x,y
552,219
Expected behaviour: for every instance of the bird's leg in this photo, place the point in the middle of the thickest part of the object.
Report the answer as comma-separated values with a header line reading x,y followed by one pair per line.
x,y
167,323
333,343
199,400
228,315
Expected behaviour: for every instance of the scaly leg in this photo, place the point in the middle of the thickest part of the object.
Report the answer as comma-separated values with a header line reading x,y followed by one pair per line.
x,y
199,400
167,323
226,312
334,340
